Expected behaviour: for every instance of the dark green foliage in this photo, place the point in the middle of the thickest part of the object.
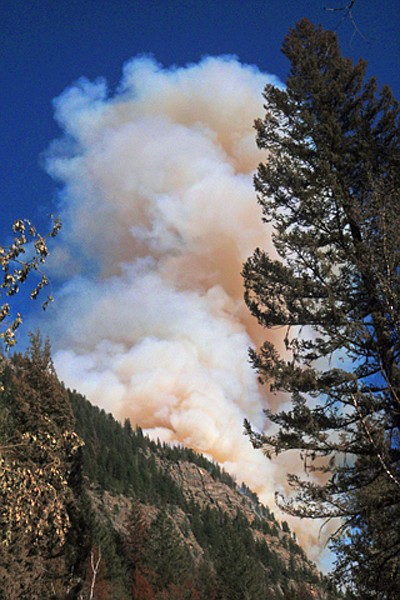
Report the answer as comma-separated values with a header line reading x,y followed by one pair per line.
x,y
44,537
241,575
165,556
285,527
122,460
330,187
114,569
155,542
158,560
375,531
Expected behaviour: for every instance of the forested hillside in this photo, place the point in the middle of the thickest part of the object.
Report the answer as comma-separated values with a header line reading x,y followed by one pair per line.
x,y
94,509
192,516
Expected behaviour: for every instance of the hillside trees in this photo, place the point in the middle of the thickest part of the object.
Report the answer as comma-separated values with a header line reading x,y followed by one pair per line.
x,y
175,535
330,188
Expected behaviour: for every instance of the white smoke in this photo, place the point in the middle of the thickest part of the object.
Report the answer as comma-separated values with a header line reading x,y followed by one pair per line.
x,y
159,214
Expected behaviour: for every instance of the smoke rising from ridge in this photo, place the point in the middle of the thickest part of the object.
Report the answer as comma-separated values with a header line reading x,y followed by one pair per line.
x,y
159,214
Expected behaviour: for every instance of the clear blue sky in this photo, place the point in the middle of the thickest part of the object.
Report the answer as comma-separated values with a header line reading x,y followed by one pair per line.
x,y
48,44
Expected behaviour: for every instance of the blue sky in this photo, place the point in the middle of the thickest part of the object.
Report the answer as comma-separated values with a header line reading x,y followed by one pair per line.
x,y
48,44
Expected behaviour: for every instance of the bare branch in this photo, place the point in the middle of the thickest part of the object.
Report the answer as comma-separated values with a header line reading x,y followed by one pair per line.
x,y
95,565
346,8
347,13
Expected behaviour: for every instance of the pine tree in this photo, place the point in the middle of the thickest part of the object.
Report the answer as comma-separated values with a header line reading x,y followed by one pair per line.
x,y
165,556
43,533
330,188
137,531
42,376
240,576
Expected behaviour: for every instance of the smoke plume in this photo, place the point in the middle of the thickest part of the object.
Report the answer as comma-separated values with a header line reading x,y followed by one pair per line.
x,y
159,214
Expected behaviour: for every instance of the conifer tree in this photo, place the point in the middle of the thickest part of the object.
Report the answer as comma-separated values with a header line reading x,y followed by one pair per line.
x,y
43,534
165,556
137,531
330,188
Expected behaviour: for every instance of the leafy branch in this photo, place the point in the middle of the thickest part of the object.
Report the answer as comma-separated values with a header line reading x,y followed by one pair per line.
x,y
24,256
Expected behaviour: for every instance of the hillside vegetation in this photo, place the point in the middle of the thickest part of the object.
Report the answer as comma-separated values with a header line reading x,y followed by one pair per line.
x,y
92,508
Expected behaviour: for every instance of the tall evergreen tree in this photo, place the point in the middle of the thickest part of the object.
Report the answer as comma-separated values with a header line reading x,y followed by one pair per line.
x,y
43,539
330,187
137,531
165,556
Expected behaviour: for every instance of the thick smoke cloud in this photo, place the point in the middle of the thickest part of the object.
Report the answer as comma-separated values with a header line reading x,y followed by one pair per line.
x,y
159,214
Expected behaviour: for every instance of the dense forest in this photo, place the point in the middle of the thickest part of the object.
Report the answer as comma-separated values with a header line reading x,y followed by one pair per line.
x,y
92,508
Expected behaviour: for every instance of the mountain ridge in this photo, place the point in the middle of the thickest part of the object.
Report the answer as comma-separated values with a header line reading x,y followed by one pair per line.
x,y
190,486
92,509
